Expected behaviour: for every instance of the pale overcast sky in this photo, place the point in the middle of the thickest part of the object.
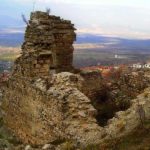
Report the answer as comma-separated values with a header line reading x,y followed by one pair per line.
x,y
121,18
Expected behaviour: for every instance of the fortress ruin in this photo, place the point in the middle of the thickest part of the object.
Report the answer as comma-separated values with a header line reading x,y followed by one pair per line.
x,y
48,46
45,102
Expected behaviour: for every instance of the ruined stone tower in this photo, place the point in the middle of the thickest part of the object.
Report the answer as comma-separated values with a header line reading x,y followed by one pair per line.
x,y
47,47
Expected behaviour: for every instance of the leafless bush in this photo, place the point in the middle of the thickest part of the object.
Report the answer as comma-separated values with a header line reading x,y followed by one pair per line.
x,y
24,19
48,11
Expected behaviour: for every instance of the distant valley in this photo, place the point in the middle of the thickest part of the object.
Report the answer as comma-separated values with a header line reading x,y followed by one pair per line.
x,y
100,42
89,49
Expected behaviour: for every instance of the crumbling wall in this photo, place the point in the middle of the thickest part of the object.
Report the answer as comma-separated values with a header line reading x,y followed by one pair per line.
x,y
92,83
48,46
50,110
45,112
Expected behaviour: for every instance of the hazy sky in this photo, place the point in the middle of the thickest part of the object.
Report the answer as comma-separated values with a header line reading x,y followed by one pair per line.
x,y
121,18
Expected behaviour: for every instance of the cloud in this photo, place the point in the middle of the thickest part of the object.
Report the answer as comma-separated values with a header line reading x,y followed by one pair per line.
x,y
133,3
45,1
122,32
124,18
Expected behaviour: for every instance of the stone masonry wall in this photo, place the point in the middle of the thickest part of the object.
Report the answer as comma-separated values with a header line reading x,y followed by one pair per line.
x,y
47,47
46,111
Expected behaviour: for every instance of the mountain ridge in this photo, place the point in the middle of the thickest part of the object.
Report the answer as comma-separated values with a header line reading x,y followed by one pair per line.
x,y
16,39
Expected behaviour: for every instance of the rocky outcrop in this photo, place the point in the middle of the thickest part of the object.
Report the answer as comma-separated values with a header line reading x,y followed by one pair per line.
x,y
126,121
